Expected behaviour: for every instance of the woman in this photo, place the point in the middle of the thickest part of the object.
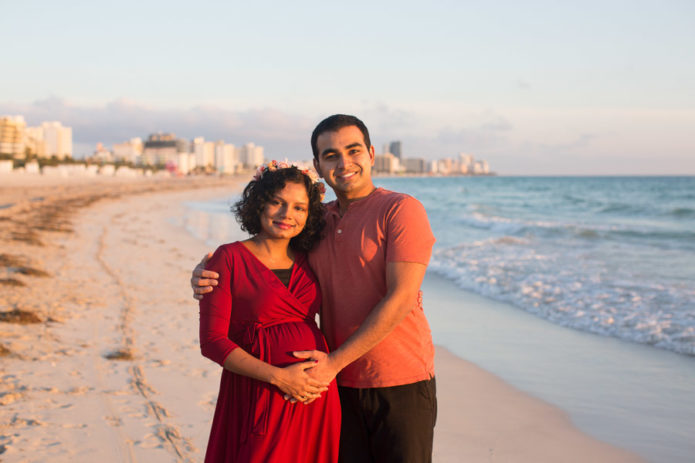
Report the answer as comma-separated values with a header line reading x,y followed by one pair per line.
x,y
262,310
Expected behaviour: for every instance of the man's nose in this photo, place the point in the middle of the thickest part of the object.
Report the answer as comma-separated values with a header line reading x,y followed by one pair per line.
x,y
343,160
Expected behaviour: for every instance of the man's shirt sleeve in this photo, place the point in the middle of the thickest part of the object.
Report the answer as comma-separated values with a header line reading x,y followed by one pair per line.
x,y
409,236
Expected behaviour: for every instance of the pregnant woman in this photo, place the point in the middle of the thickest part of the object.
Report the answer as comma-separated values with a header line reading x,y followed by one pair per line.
x,y
263,309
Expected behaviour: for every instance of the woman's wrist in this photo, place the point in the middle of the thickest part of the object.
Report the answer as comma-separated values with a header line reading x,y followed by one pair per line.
x,y
274,375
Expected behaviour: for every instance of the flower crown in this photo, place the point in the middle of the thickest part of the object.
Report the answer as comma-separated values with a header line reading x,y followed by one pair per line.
x,y
275,165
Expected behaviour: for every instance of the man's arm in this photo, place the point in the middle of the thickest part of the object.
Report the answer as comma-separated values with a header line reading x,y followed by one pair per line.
x,y
403,281
203,280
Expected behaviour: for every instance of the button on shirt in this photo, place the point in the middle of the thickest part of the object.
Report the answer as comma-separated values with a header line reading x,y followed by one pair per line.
x,y
350,263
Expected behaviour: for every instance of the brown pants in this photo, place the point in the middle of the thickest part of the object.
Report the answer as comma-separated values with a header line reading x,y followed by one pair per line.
x,y
388,424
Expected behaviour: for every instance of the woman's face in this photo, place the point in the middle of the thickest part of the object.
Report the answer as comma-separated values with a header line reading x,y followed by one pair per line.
x,y
285,214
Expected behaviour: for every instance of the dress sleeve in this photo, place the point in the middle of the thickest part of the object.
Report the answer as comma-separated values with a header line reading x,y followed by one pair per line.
x,y
409,236
216,310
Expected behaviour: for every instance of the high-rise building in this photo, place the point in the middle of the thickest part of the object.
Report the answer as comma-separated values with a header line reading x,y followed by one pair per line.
x,y
465,163
33,141
251,156
12,130
163,148
101,154
204,152
57,140
385,163
129,151
481,168
415,165
395,149
226,158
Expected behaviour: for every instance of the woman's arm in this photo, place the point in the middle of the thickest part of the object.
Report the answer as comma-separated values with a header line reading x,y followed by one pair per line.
x,y
291,380
215,315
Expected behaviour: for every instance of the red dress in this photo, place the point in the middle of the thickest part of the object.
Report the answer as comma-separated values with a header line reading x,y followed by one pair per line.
x,y
252,309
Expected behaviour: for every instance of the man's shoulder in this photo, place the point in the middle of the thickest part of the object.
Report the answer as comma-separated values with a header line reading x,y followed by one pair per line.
x,y
395,200
393,197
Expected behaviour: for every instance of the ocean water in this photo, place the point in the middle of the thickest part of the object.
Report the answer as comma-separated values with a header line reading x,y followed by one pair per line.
x,y
608,255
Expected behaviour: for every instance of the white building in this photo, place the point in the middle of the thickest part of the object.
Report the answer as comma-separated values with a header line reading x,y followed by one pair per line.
x,y
415,165
226,158
32,167
57,140
466,160
251,156
481,167
204,152
385,163
128,151
101,154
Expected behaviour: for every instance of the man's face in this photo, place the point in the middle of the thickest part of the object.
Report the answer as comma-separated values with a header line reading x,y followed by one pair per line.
x,y
345,162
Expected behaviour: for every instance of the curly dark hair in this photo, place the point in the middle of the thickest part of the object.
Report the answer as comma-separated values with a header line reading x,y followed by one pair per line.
x,y
257,194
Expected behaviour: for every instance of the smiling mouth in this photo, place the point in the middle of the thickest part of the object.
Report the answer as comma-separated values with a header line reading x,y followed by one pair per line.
x,y
346,176
283,226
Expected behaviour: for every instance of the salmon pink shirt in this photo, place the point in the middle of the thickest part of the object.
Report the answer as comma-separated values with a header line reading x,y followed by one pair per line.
x,y
350,264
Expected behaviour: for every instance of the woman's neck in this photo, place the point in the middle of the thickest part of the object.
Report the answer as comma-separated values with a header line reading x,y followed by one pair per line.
x,y
275,254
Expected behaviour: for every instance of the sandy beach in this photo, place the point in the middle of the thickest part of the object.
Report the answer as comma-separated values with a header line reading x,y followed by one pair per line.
x,y
99,352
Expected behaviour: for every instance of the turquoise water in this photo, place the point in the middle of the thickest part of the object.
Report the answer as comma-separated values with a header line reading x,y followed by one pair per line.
x,y
608,255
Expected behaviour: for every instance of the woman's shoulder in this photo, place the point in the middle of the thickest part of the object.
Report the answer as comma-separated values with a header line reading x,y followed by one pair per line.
x,y
228,251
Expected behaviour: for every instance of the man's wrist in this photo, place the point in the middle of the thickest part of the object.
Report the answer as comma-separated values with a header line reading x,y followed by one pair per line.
x,y
334,361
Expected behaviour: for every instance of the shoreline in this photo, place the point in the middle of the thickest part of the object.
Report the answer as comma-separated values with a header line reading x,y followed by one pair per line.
x,y
120,284
606,386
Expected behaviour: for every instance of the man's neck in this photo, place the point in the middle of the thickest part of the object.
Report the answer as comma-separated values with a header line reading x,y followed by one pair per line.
x,y
345,200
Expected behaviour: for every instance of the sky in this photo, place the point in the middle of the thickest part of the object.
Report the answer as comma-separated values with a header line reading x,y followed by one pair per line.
x,y
535,88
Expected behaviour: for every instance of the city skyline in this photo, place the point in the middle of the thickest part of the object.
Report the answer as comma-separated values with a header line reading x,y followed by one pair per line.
x,y
539,88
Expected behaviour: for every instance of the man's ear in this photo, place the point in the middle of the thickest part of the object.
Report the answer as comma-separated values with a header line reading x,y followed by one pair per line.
x,y
316,166
371,154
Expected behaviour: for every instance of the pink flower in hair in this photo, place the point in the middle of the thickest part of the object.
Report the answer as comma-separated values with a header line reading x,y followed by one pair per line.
x,y
259,173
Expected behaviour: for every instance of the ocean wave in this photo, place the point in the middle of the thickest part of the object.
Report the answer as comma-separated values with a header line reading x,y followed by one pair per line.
x,y
650,235
626,209
573,292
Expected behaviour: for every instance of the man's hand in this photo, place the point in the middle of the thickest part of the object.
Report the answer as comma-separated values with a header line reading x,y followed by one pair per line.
x,y
323,370
203,280
297,384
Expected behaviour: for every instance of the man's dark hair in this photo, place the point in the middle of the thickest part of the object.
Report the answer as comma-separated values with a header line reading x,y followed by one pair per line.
x,y
333,124
257,193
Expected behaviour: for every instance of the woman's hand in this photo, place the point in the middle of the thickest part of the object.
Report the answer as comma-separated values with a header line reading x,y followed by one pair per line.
x,y
296,384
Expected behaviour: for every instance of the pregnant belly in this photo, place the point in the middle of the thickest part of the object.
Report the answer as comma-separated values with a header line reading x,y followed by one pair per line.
x,y
283,339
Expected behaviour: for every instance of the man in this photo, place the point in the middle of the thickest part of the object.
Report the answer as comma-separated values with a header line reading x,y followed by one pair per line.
x,y
370,266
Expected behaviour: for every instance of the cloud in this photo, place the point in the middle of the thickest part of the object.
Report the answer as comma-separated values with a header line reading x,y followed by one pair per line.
x,y
483,131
